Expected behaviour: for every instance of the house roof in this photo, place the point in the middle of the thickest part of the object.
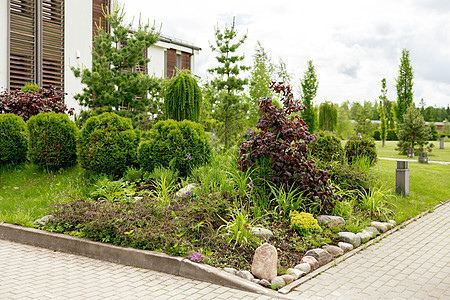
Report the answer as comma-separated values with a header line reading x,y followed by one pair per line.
x,y
168,39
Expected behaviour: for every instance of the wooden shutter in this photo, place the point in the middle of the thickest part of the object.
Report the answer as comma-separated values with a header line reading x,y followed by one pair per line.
x,y
171,62
53,44
185,60
22,42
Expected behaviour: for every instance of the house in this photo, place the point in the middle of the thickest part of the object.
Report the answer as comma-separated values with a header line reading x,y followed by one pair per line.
x,y
41,39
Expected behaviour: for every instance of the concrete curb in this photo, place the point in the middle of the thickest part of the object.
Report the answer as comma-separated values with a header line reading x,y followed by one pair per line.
x,y
336,261
151,260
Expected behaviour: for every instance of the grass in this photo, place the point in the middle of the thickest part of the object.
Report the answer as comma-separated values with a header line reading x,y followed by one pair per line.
x,y
27,192
437,154
428,186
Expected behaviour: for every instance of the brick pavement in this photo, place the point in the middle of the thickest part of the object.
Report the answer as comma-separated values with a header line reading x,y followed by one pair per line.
x,y
412,263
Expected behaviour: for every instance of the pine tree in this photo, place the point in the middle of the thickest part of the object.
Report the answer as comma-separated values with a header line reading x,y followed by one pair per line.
x,y
183,98
309,85
404,86
228,106
111,82
412,133
327,116
382,107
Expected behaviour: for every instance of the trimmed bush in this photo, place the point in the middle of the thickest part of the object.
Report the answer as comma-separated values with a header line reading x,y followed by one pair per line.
x,y
52,140
391,135
377,135
327,147
177,145
13,140
304,223
108,144
357,147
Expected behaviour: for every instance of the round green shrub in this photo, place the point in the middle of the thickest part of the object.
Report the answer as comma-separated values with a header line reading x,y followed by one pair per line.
x,y
108,144
52,140
358,147
304,223
177,145
13,140
327,147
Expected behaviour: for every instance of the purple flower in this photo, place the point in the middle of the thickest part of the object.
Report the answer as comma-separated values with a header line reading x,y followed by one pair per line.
x,y
196,256
251,185
359,135
331,132
188,156
249,132
188,193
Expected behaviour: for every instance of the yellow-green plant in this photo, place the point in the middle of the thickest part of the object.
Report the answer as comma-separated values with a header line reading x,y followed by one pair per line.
x,y
304,223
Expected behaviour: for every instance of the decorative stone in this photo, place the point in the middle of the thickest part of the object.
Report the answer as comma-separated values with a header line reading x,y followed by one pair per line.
x,y
230,270
311,261
277,283
388,225
264,265
256,280
246,275
350,237
365,236
332,221
304,267
265,233
44,220
295,273
345,246
393,223
380,226
322,256
373,231
335,251
288,278
186,191
264,282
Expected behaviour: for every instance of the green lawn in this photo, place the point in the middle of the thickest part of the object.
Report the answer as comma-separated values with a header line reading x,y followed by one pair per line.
x,y
437,154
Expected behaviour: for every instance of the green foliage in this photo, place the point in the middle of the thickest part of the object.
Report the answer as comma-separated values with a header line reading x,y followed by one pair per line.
x,y
228,107
374,202
377,135
326,147
304,223
346,177
116,78
288,199
433,132
13,140
391,135
363,119
327,116
183,98
52,141
412,133
360,146
344,127
30,88
309,86
404,87
177,145
112,191
108,144
382,109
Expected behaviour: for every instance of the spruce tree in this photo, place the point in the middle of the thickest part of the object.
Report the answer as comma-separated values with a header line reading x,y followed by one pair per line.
x,y
309,85
412,132
404,86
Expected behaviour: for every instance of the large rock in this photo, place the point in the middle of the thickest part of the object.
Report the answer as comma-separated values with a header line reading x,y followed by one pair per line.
x,y
322,256
335,251
265,233
295,273
246,275
349,237
332,221
304,267
345,246
277,283
373,231
264,265
364,235
380,226
311,261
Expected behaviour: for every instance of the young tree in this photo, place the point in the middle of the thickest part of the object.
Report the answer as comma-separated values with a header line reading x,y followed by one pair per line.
x,y
228,107
309,85
282,73
382,111
412,132
111,82
404,86
363,120
344,127
327,116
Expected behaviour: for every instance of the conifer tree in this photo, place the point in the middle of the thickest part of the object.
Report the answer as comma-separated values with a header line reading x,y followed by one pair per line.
x,y
404,86
412,133
309,85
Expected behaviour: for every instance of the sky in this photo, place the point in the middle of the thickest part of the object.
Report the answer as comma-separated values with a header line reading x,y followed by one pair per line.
x,y
353,44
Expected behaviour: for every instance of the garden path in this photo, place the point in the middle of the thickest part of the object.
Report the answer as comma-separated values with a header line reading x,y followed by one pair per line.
x,y
411,160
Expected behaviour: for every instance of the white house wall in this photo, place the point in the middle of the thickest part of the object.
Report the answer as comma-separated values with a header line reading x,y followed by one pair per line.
x,y
77,46
3,44
156,64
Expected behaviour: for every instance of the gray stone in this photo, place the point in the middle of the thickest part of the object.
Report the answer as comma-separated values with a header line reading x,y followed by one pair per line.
x,y
277,283
304,267
380,226
373,231
288,278
264,282
365,236
186,191
335,251
264,265
230,270
265,233
349,237
311,261
256,280
295,273
345,246
388,225
43,221
332,221
322,256
246,275
393,223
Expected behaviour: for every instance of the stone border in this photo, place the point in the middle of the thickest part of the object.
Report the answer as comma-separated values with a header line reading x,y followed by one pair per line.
x,y
145,259
333,263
